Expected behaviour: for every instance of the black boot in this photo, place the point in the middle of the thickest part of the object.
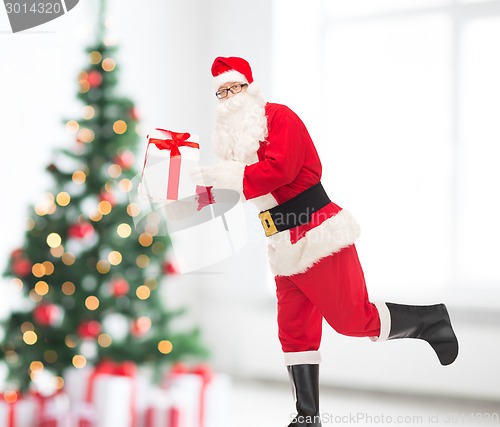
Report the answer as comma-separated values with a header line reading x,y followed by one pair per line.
x,y
430,323
305,385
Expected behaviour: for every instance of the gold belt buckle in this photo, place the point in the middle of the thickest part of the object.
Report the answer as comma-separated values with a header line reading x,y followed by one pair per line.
x,y
268,223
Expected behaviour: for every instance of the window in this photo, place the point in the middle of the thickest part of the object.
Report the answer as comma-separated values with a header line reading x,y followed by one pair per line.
x,y
402,100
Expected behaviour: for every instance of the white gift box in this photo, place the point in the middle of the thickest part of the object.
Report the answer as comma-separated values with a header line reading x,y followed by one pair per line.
x,y
203,229
218,402
166,171
113,400
212,234
22,413
56,411
165,410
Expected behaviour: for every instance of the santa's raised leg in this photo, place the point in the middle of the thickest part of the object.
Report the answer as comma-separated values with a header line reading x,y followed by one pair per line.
x,y
268,156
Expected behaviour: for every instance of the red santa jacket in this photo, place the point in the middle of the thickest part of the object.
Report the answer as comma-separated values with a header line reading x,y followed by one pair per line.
x,y
289,164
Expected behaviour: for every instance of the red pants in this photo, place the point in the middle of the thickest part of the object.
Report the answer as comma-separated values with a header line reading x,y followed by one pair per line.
x,y
334,289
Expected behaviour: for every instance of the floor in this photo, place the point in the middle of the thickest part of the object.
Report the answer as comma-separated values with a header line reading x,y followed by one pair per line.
x,y
270,405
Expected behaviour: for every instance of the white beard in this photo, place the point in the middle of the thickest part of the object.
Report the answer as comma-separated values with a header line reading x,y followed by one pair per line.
x,y
240,125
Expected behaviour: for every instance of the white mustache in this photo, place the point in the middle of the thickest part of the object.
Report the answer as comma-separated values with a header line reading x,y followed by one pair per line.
x,y
232,104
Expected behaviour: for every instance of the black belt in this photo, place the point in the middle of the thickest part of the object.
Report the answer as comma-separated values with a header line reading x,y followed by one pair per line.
x,y
294,212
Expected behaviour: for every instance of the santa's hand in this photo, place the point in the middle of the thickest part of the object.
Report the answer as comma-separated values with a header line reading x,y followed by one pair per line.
x,y
226,174
203,175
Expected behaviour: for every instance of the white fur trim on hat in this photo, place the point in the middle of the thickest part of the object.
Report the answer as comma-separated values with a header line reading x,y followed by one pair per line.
x,y
229,76
302,358
253,88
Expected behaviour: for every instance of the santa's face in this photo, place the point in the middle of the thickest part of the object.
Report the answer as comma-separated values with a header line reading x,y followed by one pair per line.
x,y
240,125
229,89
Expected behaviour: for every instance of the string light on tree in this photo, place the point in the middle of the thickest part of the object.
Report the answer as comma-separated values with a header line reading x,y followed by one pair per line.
x,y
85,135
115,258
120,127
108,64
72,126
92,302
124,230
63,198
54,240
68,288
115,171
79,361
95,57
88,112
30,337
143,292
165,347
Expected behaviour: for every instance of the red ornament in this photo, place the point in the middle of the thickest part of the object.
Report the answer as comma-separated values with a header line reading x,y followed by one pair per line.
x,y
170,267
141,326
89,329
22,267
94,78
119,287
81,231
125,159
108,197
134,114
17,253
47,314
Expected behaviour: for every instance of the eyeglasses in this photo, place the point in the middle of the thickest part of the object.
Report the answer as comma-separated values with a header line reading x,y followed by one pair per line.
x,y
237,88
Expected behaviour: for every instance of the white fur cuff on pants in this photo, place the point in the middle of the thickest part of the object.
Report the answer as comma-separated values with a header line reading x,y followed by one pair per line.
x,y
385,321
302,358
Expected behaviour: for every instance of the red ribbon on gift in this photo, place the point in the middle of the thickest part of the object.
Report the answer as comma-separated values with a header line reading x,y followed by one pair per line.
x,y
108,367
172,143
173,417
206,375
204,196
11,399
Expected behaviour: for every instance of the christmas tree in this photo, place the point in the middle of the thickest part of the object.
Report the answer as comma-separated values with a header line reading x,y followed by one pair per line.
x,y
90,281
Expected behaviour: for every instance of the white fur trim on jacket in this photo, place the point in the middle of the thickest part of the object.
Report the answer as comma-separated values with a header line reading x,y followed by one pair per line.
x,y
331,236
228,76
228,174
385,321
302,358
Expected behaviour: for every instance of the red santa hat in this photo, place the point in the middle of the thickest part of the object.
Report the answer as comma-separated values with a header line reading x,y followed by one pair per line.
x,y
232,69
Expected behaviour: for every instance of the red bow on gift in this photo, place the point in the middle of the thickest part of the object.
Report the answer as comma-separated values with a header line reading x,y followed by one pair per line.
x,y
173,143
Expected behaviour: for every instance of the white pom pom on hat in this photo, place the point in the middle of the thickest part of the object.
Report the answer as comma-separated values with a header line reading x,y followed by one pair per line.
x,y
233,69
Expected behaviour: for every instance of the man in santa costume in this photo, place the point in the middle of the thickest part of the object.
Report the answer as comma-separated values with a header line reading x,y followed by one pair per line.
x,y
268,156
